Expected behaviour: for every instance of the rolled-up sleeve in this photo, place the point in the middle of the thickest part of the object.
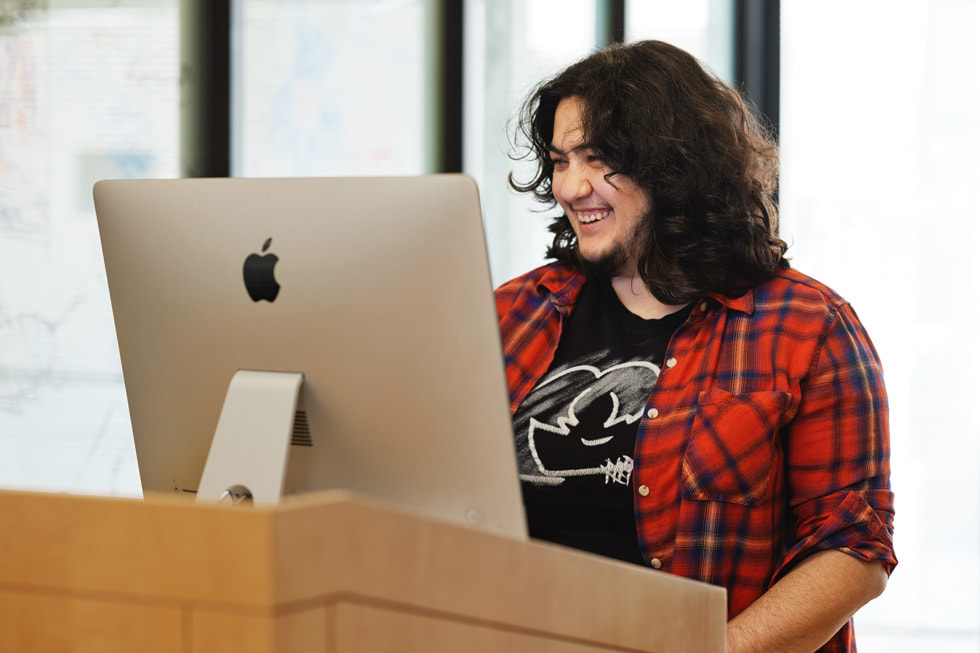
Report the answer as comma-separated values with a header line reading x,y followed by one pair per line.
x,y
838,451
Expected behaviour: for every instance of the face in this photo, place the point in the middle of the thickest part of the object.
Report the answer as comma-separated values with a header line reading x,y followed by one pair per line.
x,y
606,211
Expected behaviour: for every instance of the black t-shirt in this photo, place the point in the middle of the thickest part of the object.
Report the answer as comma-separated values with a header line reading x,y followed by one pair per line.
x,y
576,430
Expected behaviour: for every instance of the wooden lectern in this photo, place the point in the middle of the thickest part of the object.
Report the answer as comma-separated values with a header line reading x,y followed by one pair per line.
x,y
331,572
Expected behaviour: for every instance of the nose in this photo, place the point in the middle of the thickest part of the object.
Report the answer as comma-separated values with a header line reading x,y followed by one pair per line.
x,y
572,184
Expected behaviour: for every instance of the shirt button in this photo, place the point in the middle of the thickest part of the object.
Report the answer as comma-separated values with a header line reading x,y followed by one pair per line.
x,y
704,306
655,563
671,362
653,413
643,490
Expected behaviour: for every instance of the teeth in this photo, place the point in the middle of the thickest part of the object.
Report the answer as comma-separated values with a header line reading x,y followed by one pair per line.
x,y
593,217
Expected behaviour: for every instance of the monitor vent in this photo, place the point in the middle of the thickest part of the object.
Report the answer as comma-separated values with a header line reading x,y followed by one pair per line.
x,y
301,430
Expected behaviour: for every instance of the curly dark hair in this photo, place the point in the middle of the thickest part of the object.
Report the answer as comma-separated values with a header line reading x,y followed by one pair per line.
x,y
692,143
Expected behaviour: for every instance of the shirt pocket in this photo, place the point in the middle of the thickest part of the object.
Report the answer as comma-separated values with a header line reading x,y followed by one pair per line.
x,y
732,450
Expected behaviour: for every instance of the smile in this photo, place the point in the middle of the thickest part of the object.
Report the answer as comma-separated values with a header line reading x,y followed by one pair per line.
x,y
587,217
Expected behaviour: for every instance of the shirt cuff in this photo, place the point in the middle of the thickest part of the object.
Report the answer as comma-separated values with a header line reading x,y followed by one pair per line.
x,y
855,528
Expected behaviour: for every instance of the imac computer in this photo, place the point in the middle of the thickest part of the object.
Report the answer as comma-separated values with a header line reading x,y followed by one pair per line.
x,y
283,336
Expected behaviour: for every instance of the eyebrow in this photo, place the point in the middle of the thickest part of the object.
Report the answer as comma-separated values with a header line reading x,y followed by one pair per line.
x,y
578,148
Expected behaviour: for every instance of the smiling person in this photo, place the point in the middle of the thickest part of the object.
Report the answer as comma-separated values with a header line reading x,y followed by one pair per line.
x,y
683,399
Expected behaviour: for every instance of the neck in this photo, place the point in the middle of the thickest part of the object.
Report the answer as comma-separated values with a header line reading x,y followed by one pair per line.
x,y
638,299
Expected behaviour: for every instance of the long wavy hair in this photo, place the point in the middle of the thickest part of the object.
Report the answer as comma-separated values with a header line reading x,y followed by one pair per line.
x,y
692,143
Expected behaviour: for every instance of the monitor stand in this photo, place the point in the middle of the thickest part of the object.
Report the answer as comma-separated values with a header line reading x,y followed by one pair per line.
x,y
247,459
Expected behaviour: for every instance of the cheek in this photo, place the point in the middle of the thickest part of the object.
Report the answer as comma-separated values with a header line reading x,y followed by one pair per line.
x,y
631,199
636,208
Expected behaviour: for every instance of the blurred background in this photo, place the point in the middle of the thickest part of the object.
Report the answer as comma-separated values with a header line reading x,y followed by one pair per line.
x,y
876,102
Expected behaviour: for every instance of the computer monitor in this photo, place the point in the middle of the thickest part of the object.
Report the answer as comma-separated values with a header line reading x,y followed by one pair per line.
x,y
369,297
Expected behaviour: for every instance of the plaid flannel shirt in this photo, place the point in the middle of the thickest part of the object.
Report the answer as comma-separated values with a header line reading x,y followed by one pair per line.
x,y
764,440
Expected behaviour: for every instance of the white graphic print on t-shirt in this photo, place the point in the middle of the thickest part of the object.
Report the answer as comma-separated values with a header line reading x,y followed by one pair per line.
x,y
581,422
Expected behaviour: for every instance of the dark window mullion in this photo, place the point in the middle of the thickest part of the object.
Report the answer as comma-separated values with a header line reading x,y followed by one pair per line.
x,y
610,22
450,69
205,88
757,54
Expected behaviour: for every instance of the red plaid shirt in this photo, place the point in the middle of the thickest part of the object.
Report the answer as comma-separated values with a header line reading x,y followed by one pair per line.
x,y
764,440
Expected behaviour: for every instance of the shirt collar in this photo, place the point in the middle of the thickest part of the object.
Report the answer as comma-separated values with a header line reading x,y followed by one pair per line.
x,y
564,285
743,303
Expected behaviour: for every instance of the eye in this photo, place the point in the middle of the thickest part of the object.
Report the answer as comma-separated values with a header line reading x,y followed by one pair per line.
x,y
558,162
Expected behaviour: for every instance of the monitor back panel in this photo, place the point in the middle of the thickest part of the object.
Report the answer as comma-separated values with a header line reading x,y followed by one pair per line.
x,y
385,305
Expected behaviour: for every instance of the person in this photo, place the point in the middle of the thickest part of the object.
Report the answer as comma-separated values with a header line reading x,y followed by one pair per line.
x,y
682,397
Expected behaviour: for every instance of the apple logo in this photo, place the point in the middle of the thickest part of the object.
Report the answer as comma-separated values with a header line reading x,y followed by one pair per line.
x,y
259,273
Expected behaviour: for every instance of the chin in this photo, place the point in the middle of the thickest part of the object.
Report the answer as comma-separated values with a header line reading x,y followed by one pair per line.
x,y
611,263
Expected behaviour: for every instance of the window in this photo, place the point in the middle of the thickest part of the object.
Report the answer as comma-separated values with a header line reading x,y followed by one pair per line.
x,y
88,90
879,193
329,88
705,28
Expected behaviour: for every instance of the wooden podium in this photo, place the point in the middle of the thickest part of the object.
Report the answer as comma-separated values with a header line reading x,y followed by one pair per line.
x,y
331,572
